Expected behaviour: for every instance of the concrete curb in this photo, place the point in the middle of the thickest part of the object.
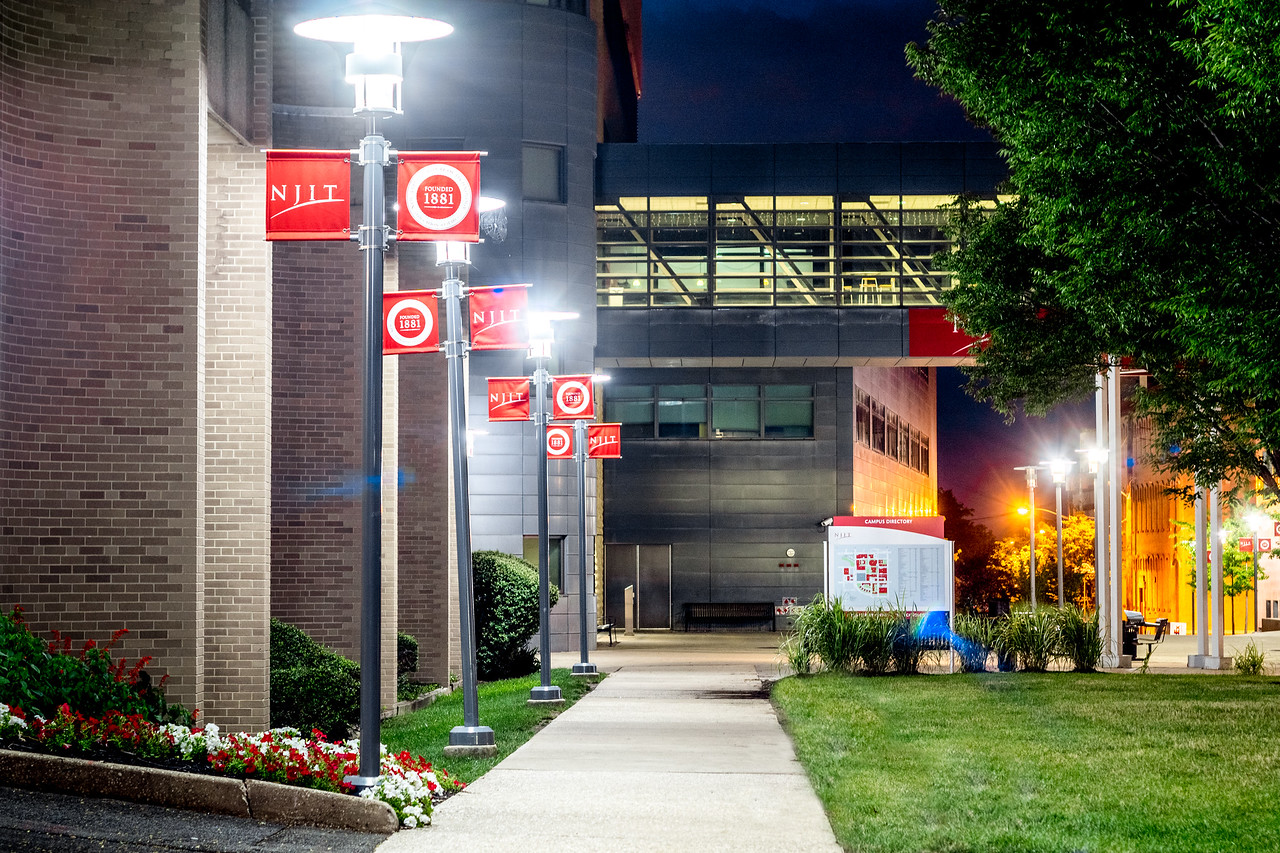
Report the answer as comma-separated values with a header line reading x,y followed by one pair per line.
x,y
257,800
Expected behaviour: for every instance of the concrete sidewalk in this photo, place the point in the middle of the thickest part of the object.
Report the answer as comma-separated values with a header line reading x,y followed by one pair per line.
x,y
678,749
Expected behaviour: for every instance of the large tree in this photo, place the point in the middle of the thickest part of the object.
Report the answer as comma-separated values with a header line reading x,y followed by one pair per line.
x,y
1143,144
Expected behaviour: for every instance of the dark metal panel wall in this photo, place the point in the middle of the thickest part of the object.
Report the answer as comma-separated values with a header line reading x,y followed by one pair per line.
x,y
731,508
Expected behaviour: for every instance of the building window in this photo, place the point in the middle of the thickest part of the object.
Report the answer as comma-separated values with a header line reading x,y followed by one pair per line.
x,y
682,411
543,172
731,411
555,557
788,411
888,433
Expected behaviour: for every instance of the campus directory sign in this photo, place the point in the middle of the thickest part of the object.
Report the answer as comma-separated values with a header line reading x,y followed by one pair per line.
x,y
889,562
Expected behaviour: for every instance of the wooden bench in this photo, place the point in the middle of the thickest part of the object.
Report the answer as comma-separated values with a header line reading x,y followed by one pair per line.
x,y
728,615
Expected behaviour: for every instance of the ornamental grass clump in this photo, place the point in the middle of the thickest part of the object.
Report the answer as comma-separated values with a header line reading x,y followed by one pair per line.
x,y
1032,635
907,648
1250,660
1079,639
974,639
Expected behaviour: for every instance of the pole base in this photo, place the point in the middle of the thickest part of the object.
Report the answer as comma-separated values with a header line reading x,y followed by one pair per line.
x,y
584,669
471,742
361,782
548,695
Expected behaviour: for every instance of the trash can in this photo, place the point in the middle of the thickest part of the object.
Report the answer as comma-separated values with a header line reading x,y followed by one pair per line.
x,y
1129,633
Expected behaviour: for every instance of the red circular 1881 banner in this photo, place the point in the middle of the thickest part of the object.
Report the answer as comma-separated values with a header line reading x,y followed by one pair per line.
x,y
559,442
439,193
409,322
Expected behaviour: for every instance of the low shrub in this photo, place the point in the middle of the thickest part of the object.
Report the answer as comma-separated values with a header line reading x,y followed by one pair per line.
x,y
1250,660
406,654
311,686
40,676
830,634
506,607
908,648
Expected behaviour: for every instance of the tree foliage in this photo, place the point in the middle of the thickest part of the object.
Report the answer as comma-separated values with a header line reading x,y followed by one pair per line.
x,y
1144,198
981,585
1010,556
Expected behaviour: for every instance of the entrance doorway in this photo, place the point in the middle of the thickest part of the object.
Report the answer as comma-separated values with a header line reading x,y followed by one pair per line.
x,y
647,568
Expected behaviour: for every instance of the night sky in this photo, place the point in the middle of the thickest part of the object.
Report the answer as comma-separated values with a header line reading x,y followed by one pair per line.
x,y
834,71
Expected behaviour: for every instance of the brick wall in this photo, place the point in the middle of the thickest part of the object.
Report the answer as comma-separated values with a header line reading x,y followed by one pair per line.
x,y
101,291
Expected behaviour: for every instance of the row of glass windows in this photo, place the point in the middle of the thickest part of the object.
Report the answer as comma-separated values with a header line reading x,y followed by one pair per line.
x,y
887,433
711,411
771,250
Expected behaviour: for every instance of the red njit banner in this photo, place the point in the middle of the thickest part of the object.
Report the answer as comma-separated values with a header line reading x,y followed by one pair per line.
x,y
604,441
508,398
410,322
439,195
499,317
308,195
571,398
931,334
1245,543
559,442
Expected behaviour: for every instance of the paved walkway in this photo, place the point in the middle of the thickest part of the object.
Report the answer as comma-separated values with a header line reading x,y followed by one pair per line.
x,y
678,749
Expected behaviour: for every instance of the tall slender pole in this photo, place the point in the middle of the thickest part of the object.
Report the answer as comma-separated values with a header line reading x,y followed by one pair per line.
x,y
545,692
470,738
1109,652
1256,541
584,667
1217,649
1113,501
1200,610
1062,597
373,243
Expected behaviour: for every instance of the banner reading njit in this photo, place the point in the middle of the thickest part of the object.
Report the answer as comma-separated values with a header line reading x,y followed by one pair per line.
x,y
499,317
508,398
410,322
439,196
559,442
308,195
572,399
604,441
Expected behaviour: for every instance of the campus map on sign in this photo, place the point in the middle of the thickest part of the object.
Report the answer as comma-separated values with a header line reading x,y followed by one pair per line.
x,y
889,562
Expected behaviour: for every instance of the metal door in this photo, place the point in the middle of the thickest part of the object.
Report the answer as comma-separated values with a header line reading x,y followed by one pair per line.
x,y
648,569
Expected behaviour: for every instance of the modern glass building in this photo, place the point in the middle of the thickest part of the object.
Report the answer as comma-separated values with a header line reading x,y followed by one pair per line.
x,y
770,317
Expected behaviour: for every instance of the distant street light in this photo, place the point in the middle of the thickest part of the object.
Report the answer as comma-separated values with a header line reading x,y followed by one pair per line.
x,y
1058,470
1031,554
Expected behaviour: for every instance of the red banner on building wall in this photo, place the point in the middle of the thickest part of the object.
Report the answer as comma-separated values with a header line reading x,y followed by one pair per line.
x,y
559,442
308,195
499,317
410,322
508,398
572,398
604,441
931,334
439,195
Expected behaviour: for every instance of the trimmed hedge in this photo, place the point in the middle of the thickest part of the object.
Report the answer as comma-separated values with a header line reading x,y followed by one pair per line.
x,y
311,686
506,599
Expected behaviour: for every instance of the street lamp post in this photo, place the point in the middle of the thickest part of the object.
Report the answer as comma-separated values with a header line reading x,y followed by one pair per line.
x,y
541,338
583,667
1058,469
1031,490
470,738
375,69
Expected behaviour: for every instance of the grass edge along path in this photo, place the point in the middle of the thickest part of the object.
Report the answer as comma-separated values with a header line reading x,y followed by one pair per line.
x,y
503,707
1030,763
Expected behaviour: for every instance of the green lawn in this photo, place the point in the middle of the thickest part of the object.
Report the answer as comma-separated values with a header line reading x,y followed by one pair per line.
x,y
1057,762
503,707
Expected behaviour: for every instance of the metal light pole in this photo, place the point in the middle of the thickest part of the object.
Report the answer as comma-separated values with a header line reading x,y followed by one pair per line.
x,y
584,667
376,70
470,738
1058,469
541,338
1031,558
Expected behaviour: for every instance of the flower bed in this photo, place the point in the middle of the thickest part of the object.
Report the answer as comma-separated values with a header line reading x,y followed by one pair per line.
x,y
409,785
